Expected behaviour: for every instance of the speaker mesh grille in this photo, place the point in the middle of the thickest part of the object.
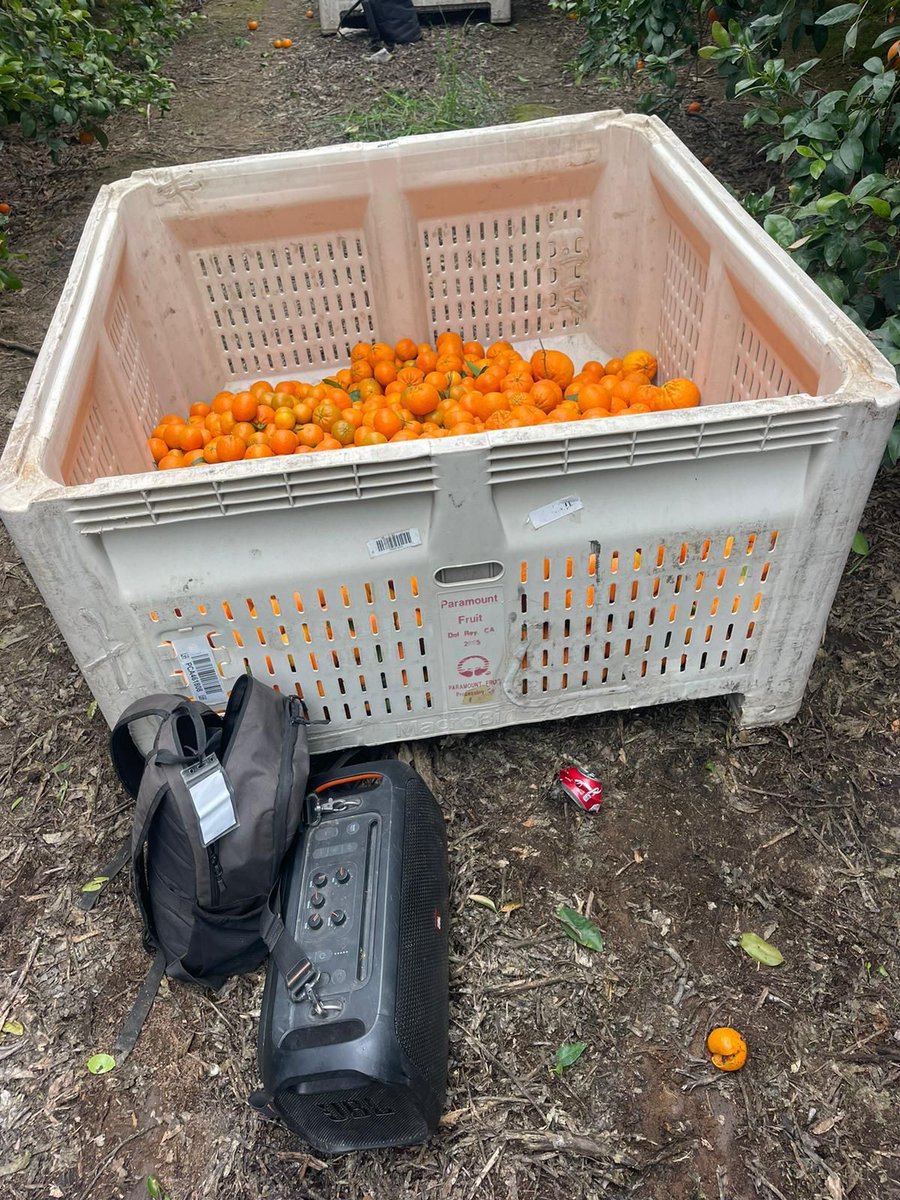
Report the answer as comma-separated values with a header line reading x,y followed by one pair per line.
x,y
421,1014
354,1118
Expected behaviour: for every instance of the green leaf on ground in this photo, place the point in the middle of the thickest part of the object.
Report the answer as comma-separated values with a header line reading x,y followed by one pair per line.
x,y
579,928
16,1028
484,901
861,544
99,1064
567,1055
763,951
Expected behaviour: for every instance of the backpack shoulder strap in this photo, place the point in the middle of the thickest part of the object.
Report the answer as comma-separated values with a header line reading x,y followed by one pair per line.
x,y
127,758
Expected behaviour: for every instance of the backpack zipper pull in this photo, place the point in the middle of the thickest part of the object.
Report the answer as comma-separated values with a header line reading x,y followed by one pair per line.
x,y
217,868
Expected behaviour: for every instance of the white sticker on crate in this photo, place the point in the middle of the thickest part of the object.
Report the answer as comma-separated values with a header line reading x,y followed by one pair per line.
x,y
199,668
401,540
539,517
472,645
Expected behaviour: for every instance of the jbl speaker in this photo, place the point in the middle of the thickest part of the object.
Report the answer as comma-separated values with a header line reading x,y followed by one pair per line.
x,y
366,896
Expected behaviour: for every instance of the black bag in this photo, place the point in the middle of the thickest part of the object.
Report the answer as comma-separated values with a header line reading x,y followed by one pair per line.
x,y
202,894
394,22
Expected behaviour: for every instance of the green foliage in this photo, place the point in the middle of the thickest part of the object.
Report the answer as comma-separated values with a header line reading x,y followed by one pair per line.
x,y
459,99
8,278
67,65
654,36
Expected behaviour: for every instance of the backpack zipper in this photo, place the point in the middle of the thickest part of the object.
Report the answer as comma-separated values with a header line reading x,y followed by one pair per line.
x,y
293,719
216,876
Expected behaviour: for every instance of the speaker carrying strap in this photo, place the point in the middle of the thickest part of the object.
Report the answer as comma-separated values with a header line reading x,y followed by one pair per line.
x,y
296,969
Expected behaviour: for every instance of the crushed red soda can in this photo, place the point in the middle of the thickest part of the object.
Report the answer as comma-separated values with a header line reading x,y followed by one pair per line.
x,y
582,788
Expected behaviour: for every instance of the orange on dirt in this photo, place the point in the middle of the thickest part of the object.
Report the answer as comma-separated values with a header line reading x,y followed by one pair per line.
x,y
694,107
86,137
5,209
727,1048
640,360
553,364
253,26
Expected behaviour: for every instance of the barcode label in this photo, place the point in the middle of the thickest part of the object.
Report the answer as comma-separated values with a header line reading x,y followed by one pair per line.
x,y
393,541
200,669
554,511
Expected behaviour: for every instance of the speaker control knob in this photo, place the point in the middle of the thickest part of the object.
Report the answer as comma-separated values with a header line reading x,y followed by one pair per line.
x,y
317,899
338,917
341,875
319,879
315,921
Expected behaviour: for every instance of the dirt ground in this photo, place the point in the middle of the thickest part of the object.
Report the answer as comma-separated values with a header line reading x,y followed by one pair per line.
x,y
789,832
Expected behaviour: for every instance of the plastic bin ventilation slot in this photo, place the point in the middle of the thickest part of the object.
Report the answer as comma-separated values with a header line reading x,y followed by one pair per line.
x,y
415,588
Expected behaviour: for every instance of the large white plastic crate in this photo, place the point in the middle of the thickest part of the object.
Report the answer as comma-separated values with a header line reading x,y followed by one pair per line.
x,y
693,553
331,11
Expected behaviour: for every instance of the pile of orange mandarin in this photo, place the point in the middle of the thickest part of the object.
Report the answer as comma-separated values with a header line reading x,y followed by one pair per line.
x,y
404,392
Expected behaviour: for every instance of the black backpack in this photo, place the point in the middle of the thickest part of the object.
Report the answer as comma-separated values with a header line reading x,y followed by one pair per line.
x,y
218,802
394,22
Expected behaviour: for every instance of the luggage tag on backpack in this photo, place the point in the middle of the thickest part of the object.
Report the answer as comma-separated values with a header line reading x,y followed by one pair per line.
x,y
212,798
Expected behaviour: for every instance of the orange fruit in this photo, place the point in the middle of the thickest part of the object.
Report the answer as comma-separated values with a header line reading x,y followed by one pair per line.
x,y
893,51
231,448
385,372
405,349
694,107
727,1047
639,408
595,414
284,441
625,389
426,359
546,394
284,418
404,435
640,360
387,421
158,448
173,459
614,366
679,393
199,410
259,451
552,364
591,395
211,451
5,209
253,26
191,438
265,415
244,406
171,434
261,387
310,435
473,350
463,428
191,457
421,399
286,43
223,402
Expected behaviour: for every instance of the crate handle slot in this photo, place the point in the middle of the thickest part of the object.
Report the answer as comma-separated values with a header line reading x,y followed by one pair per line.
x,y
483,572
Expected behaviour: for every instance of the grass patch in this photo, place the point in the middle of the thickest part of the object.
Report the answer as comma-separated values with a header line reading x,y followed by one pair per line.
x,y
460,99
